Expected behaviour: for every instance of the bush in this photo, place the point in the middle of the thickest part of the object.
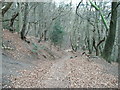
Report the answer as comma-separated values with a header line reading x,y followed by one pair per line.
x,y
56,36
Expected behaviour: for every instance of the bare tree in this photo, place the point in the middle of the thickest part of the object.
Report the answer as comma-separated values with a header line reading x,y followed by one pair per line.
x,y
112,33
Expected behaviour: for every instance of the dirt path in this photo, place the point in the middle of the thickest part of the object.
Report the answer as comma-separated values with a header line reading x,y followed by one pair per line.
x,y
67,72
56,77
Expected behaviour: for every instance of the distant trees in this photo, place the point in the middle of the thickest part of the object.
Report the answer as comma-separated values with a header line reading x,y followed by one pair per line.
x,y
75,34
103,37
86,28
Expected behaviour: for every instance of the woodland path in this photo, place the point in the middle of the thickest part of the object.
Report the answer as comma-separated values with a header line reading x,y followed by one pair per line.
x,y
56,76
67,72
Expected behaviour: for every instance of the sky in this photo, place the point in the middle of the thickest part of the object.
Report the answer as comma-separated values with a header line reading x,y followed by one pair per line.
x,y
74,2
67,1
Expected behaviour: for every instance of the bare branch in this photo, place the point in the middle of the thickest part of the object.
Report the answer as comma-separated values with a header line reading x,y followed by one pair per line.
x,y
77,8
114,9
101,41
6,7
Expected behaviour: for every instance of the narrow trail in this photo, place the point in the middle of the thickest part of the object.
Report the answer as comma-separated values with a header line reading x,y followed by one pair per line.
x,y
67,72
56,77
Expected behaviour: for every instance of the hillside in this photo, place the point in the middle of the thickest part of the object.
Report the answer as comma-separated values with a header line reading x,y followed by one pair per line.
x,y
19,55
36,65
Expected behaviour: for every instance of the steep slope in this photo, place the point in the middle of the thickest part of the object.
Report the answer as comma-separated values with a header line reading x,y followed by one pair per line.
x,y
18,55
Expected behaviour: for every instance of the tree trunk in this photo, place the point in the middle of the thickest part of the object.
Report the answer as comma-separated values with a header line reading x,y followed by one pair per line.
x,y
45,35
12,21
24,23
88,37
118,59
111,35
34,14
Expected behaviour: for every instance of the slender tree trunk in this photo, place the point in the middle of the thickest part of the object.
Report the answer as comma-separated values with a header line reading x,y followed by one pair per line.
x,y
25,22
34,13
1,33
45,32
20,19
88,38
118,59
28,29
111,35
12,21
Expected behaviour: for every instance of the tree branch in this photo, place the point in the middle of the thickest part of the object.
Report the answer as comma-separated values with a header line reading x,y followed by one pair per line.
x,y
101,14
100,42
114,9
6,7
77,8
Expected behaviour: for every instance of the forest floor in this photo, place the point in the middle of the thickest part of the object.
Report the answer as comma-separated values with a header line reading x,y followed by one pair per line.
x,y
49,68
